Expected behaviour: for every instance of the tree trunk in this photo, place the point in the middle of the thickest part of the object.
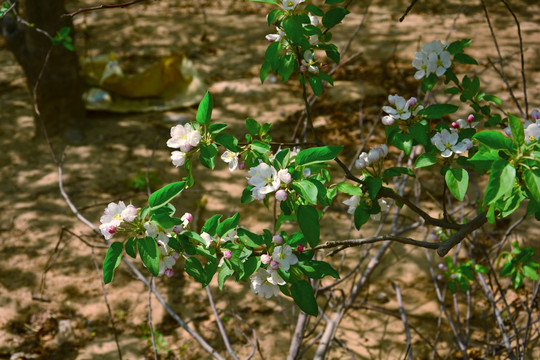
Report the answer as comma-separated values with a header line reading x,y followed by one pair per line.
x,y
60,87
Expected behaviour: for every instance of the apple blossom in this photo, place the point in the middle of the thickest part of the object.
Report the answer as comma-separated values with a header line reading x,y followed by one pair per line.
x,y
186,219
284,176
264,178
281,195
291,4
383,204
277,239
313,20
532,131
433,58
184,137
265,283
230,158
275,37
388,120
111,219
535,115
309,62
284,256
178,158
227,254
129,213
265,259
352,203
207,239
402,107
447,143
465,124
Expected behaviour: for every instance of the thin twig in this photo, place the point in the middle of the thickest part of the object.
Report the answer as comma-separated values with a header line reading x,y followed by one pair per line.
x,y
8,9
220,324
374,239
103,6
522,59
529,312
409,8
404,319
150,324
111,317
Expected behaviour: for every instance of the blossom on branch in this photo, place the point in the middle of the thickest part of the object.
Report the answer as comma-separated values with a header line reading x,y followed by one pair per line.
x,y
264,178
230,158
265,283
433,59
447,143
184,137
284,256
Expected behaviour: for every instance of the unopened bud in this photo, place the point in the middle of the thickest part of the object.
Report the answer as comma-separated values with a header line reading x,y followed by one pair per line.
x,y
187,217
227,254
303,68
284,176
274,265
535,115
281,195
470,118
265,259
300,248
111,229
169,272
388,120
455,125
412,101
277,239
177,229
241,165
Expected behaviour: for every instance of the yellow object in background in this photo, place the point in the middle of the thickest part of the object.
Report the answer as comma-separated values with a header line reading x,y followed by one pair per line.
x,y
171,82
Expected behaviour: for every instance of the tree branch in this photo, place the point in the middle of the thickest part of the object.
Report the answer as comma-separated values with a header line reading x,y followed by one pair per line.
x,y
371,240
103,6
458,237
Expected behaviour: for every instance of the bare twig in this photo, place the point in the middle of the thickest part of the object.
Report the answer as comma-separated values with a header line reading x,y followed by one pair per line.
x,y
150,324
404,319
360,242
103,6
409,8
8,9
109,311
297,337
522,59
529,312
220,324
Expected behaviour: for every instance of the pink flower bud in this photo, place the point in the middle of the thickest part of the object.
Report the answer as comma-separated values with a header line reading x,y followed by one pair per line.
x,y
535,115
187,217
169,272
441,266
241,165
111,229
281,195
277,239
439,277
177,229
412,101
227,254
265,259
303,68
300,248
455,125
470,118
388,120
274,265
284,176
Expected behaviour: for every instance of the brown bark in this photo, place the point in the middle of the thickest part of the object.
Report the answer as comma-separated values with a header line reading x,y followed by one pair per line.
x,y
60,86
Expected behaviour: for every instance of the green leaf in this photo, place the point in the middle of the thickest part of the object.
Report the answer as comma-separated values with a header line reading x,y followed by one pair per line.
x,y
272,2
373,186
501,181
334,17
216,128
465,59
314,10
530,273
195,269
204,112
458,182
317,269
228,141
494,140
131,247
420,131
437,111
224,273
317,155
208,155
211,225
483,160
493,99
532,180
307,190
316,85
302,293
308,220
148,250
518,133
164,195
227,225
429,82
250,239
327,77
165,221
292,25
361,215
273,15
425,160
397,171
260,147
112,261
349,189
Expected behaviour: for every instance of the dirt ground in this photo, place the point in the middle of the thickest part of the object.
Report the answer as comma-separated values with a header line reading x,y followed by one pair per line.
x,y
225,40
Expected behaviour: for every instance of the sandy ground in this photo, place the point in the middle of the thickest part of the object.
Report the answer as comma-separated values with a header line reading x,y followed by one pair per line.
x,y
225,40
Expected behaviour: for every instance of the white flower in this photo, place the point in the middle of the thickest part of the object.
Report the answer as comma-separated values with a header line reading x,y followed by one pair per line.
x,y
230,158
314,40
111,219
275,37
291,4
265,259
265,283
362,161
388,120
264,178
532,131
432,59
352,203
402,107
313,20
184,137
256,194
129,213
309,62
178,158
151,230
373,155
186,219
284,256
447,143
281,195
207,239
464,124
384,208
284,176
166,262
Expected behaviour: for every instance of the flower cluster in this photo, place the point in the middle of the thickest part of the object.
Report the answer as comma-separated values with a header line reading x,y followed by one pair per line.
x,y
373,156
433,59
113,217
402,110
183,137
265,282
354,201
266,179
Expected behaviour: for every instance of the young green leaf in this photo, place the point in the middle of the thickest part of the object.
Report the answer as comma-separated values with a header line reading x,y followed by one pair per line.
x,y
204,112
437,111
318,154
518,133
501,181
308,220
148,250
317,269
334,17
457,181
303,296
112,261
425,160
195,269
164,195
